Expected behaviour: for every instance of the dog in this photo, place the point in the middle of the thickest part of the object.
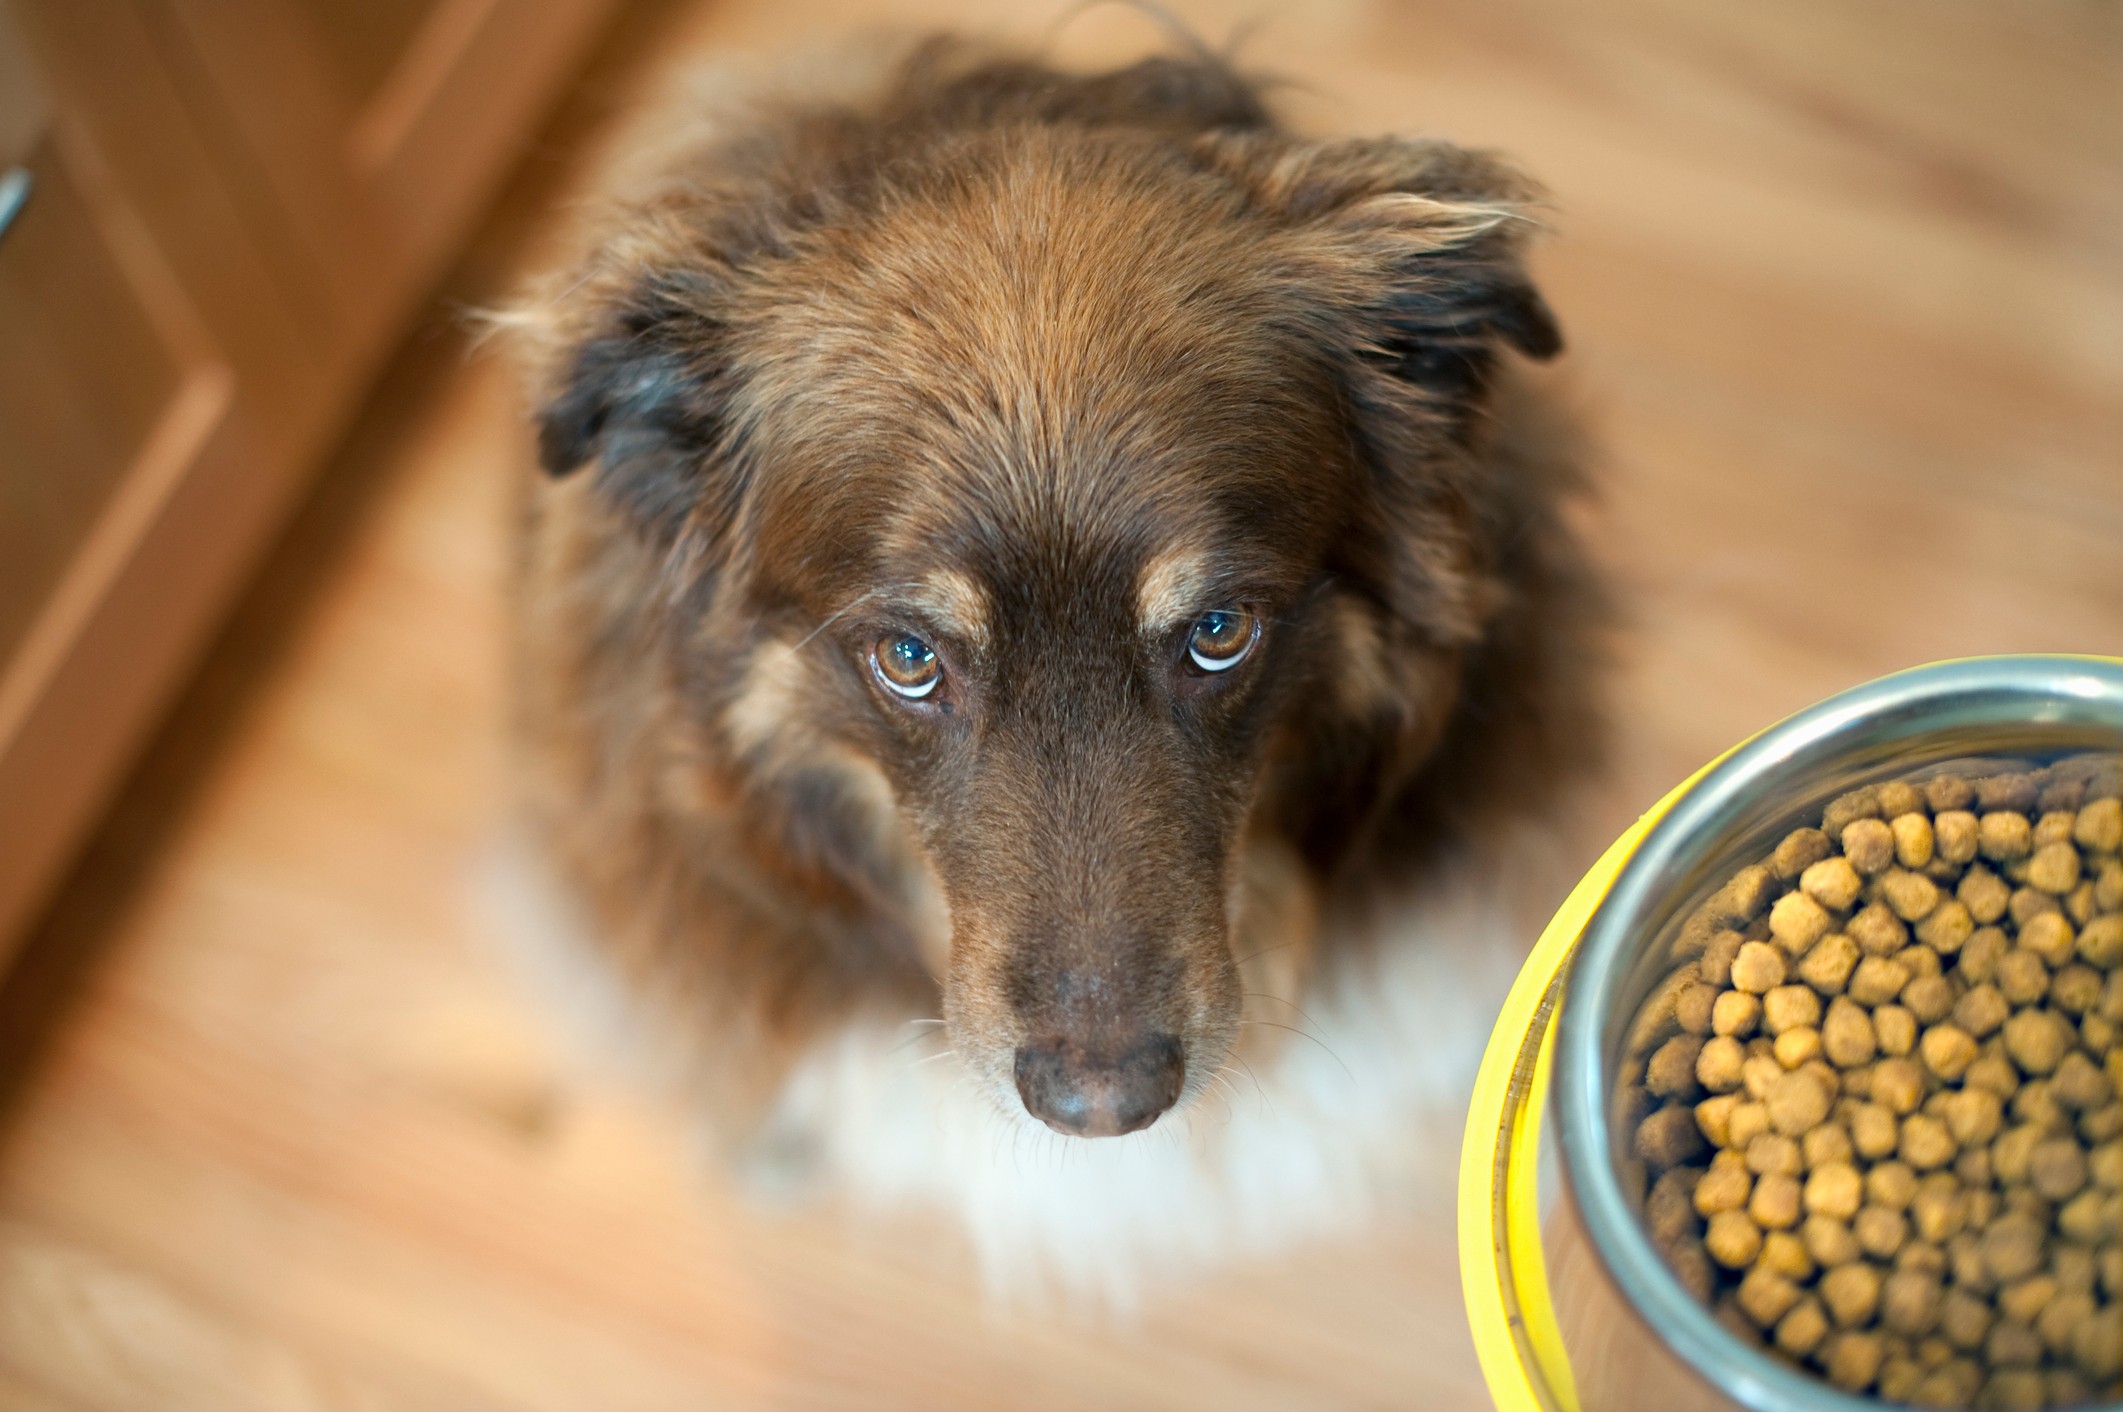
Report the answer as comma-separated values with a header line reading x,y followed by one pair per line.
x,y
1062,562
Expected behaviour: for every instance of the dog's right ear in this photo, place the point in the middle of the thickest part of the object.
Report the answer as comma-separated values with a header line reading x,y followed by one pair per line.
x,y
641,396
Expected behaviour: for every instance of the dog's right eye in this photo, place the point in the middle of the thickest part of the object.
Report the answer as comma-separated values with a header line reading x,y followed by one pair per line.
x,y
906,665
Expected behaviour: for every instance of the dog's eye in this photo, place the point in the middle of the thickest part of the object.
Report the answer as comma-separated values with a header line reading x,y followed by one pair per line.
x,y
906,665
1221,639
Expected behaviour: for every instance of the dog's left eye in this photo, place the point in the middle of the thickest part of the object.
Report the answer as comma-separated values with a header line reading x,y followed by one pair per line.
x,y
1222,638
906,665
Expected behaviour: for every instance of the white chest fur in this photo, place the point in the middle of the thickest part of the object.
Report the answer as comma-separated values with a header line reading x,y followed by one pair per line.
x,y
1359,1111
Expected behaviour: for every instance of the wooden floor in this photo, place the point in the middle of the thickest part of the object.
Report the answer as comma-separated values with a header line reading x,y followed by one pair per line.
x,y
1844,286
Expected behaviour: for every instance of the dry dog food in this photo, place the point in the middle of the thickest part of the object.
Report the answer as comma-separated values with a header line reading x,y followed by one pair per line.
x,y
1879,1100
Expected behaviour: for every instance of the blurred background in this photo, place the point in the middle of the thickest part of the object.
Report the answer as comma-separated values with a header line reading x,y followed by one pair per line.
x,y
1843,282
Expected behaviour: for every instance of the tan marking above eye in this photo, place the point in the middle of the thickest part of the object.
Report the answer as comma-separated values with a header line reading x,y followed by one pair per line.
x,y
1169,591
955,602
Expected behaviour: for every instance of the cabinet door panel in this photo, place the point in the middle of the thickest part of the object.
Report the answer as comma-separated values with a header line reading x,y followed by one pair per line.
x,y
83,379
261,68
380,129
364,43
133,496
106,73
235,209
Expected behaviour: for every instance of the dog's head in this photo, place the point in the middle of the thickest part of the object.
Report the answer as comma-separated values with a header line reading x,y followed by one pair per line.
x,y
1053,504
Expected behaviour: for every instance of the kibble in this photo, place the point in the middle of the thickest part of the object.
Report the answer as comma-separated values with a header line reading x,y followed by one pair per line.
x,y
2075,989
1758,968
2054,868
2056,1169
1878,980
1984,894
1748,1119
1909,1302
1879,1231
2099,827
1795,1047
1926,1142
1954,836
1877,930
1929,996
1869,845
1852,1293
1801,1330
1797,922
1828,965
1834,1190
1897,1085
1847,1036
1910,895
1973,1115
1671,1072
2049,935
1982,1010
1801,849
1718,1064
1831,883
2038,1040
1766,1296
1873,1130
1733,1240
1736,1013
1948,1050
2028,904
1877,1106
1789,1007
1825,1144
2101,942
1798,1101
1774,1204
1948,928
2023,977
2004,835
1896,1029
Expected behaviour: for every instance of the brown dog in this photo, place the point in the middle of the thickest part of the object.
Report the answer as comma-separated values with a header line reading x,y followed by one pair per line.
x,y
1038,550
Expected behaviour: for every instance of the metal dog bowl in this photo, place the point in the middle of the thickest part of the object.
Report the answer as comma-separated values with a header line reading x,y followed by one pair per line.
x,y
1571,1304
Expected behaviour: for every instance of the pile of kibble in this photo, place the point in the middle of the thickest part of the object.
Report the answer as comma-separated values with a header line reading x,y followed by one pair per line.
x,y
1877,1101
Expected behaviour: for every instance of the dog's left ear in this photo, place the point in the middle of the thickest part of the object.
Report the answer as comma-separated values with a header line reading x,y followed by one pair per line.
x,y
1409,253
1403,265
634,387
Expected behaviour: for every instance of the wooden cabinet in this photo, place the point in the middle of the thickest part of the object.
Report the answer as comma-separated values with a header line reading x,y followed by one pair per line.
x,y
233,206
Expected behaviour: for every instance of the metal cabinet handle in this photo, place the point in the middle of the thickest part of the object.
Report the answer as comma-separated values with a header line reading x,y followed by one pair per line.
x,y
15,186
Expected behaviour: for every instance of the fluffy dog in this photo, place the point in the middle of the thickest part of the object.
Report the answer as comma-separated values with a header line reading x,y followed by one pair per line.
x,y
1044,555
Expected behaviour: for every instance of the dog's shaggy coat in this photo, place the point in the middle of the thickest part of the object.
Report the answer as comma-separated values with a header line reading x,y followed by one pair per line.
x,y
1034,371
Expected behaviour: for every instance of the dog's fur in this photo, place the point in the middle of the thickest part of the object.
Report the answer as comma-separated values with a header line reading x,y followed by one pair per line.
x,y
1040,367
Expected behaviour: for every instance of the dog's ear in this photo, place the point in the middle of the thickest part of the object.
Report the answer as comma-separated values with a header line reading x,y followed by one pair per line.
x,y
1465,604
1409,254
640,393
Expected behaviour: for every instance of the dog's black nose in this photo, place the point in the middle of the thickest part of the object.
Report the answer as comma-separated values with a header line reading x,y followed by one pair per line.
x,y
1085,1094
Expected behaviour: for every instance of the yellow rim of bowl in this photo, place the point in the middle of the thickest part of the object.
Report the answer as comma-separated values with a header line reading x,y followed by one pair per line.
x,y
1503,1271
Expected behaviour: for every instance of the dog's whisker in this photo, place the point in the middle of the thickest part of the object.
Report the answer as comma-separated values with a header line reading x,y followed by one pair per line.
x,y
931,1059
1281,946
1264,995
910,1041
1314,1038
846,608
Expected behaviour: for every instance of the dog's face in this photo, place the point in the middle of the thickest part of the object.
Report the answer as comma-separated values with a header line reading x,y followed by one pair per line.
x,y
1042,515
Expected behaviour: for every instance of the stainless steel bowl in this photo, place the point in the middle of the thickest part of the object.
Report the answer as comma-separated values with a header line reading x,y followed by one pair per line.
x,y
2035,708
